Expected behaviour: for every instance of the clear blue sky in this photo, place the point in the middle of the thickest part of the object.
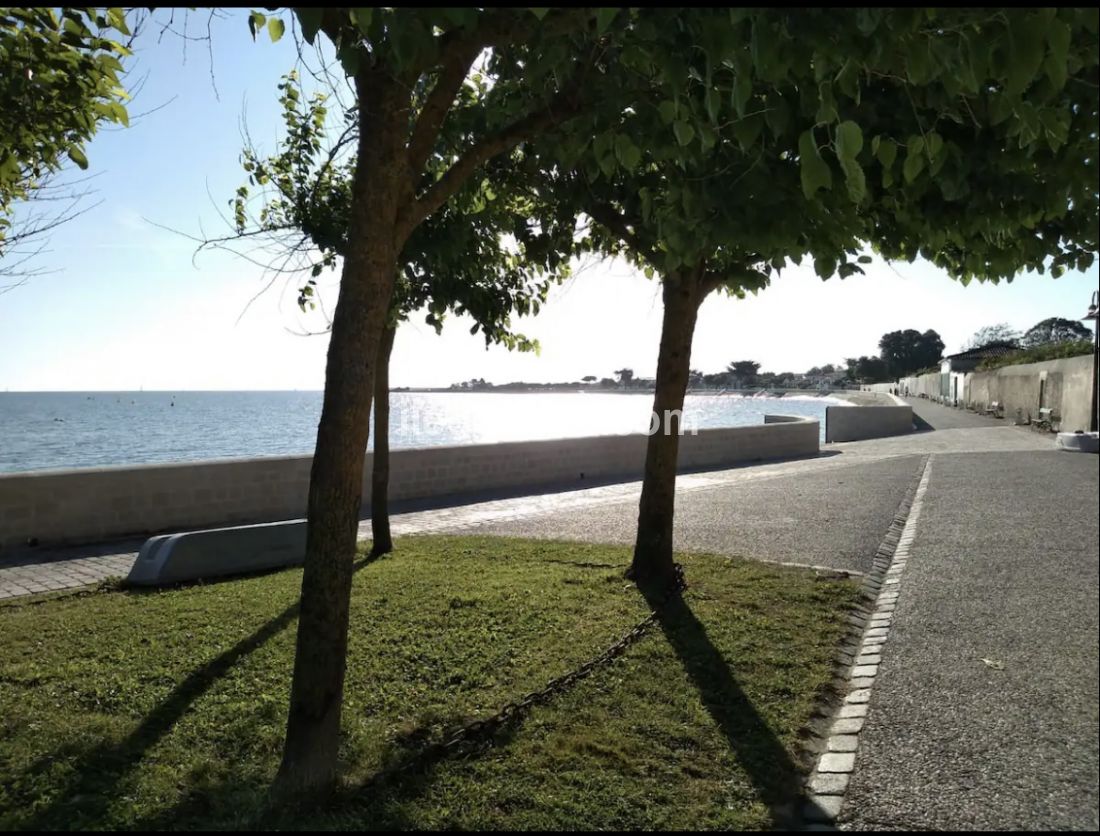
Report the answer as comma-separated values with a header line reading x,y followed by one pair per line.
x,y
125,306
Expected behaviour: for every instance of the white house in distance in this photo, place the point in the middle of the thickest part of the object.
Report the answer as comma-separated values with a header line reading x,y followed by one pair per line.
x,y
954,366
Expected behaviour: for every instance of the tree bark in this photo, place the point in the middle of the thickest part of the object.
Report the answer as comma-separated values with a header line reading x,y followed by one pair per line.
x,y
653,564
336,480
381,542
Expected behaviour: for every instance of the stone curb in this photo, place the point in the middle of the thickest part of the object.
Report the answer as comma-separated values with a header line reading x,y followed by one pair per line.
x,y
869,629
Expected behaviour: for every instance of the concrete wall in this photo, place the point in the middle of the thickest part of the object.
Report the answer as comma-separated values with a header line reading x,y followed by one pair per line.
x,y
99,503
1062,385
854,423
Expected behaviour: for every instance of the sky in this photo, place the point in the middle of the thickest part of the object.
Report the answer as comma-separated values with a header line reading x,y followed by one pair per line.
x,y
123,303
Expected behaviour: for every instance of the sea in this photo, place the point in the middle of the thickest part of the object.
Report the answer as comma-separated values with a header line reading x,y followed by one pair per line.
x,y
50,430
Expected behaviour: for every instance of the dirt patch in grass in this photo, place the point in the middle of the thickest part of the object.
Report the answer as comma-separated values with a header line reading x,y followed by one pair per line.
x,y
167,709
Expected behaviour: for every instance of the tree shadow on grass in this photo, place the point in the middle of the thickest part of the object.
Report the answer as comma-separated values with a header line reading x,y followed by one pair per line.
x,y
99,772
775,776
380,802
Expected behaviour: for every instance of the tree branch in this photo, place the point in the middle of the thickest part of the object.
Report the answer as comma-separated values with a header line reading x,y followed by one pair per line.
x,y
459,50
609,217
563,107
456,67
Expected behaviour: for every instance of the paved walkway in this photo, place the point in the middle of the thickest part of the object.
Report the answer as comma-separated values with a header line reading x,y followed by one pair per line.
x,y
983,714
830,510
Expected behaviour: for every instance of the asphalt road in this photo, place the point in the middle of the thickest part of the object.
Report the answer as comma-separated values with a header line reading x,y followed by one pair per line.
x,y
938,417
835,517
984,714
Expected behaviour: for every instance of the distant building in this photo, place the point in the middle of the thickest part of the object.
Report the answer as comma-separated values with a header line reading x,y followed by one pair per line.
x,y
967,361
954,366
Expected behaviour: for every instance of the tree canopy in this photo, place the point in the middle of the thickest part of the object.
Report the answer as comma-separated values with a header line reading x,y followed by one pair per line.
x,y
480,254
1054,329
908,351
1000,334
59,80
868,369
964,136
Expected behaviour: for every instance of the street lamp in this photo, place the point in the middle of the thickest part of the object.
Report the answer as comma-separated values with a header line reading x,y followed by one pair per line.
x,y
1092,315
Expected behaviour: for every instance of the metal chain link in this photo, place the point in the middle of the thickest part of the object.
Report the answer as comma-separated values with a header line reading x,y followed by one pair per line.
x,y
478,735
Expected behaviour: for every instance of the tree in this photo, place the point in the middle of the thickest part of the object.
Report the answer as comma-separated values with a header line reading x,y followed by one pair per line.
x,y
441,92
1000,334
714,381
457,260
626,376
61,81
868,370
1054,330
905,352
589,378
959,135
743,373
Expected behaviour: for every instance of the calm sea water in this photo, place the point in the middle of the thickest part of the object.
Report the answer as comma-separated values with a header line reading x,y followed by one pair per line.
x,y
90,429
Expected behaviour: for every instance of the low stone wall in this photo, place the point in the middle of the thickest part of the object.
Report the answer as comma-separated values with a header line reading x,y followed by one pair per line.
x,y
99,503
1064,386
855,423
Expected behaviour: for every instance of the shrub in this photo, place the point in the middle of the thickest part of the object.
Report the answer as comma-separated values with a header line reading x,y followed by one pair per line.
x,y
1052,351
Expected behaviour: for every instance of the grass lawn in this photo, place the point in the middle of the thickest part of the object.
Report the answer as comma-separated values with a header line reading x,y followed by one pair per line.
x,y
166,709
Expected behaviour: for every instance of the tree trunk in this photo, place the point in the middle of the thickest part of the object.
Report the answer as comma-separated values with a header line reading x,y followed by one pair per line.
x,y
336,480
652,564
381,542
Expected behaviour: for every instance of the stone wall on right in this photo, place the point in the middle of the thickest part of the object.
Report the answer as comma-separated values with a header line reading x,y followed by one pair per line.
x,y
1064,386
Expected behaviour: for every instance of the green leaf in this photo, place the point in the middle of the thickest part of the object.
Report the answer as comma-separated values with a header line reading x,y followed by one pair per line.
x,y
887,152
824,266
275,29
855,179
667,109
77,156
604,16
746,131
1026,50
933,143
914,160
826,111
255,22
778,115
1058,40
539,13
847,80
362,17
310,18
627,152
742,92
117,19
849,140
814,171
710,101
685,133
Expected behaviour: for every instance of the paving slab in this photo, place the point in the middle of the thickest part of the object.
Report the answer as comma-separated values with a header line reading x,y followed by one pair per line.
x,y
984,712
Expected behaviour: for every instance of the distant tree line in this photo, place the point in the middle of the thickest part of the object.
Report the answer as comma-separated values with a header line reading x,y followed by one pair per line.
x,y
909,352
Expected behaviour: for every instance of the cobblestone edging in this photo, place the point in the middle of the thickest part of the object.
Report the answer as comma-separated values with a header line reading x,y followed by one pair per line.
x,y
859,660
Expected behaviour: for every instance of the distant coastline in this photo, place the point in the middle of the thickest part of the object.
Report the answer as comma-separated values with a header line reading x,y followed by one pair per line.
x,y
537,389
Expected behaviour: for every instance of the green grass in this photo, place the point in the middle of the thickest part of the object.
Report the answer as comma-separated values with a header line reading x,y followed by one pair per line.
x,y
166,709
